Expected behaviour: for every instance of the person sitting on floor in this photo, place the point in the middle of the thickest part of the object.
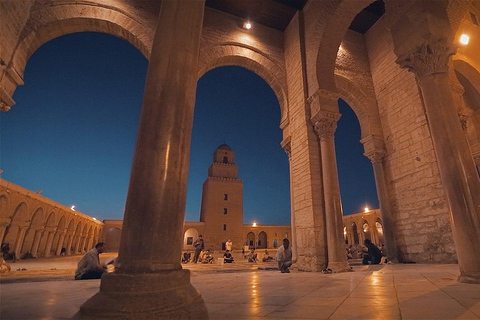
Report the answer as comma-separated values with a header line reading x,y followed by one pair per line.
x,y
284,256
89,266
252,256
186,257
227,257
373,255
266,256
207,257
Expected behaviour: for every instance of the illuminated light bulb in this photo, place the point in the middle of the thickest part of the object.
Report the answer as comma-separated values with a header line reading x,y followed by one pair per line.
x,y
464,39
247,25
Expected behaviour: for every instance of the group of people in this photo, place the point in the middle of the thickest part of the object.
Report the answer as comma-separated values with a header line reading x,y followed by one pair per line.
x,y
89,266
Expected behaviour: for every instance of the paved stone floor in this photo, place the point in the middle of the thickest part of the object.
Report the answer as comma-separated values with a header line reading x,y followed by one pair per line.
x,y
242,291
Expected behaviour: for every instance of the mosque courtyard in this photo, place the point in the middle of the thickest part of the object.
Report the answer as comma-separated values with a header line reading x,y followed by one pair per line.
x,y
45,289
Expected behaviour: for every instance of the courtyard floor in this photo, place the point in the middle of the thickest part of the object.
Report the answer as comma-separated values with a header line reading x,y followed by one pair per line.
x,y
46,290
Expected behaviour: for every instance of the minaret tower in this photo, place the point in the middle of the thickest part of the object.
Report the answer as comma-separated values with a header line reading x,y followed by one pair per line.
x,y
222,201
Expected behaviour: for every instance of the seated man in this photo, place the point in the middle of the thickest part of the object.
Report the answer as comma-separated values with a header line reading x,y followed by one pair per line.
x,y
374,254
252,256
186,257
89,266
207,257
266,256
284,256
227,257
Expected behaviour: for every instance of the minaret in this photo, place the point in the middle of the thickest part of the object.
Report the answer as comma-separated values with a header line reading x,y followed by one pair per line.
x,y
222,201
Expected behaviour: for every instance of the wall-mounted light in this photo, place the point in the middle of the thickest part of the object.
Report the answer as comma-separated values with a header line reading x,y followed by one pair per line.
x,y
464,39
72,208
247,25
366,209
254,224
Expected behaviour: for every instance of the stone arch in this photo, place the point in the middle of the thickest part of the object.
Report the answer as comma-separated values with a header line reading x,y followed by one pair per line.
x,y
69,236
233,54
367,233
189,238
59,237
365,109
356,240
89,238
112,238
379,228
55,20
34,229
468,71
251,240
262,242
331,34
50,221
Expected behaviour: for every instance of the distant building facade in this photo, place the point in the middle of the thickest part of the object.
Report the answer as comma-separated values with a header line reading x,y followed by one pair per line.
x,y
35,224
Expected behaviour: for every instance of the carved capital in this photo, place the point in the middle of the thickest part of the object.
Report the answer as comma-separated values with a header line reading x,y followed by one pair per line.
x,y
287,146
325,123
429,58
376,156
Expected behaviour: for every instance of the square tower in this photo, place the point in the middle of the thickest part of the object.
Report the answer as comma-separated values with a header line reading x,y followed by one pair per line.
x,y
222,201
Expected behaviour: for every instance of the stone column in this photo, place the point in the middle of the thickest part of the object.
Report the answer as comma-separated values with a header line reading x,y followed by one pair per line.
x,y
36,241
3,228
60,243
149,281
374,150
48,246
71,237
19,243
286,145
428,62
325,123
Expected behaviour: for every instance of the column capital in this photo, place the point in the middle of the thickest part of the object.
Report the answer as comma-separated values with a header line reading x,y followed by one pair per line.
x,y
376,155
430,57
325,123
286,144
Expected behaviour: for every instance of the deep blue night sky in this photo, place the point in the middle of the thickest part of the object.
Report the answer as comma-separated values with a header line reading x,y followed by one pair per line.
x,y
72,132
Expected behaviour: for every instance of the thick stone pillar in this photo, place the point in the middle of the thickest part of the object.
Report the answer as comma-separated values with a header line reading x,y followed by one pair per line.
x,y
428,62
325,123
287,146
149,282
374,150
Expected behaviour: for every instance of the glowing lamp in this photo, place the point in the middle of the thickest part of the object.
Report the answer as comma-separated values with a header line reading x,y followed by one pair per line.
x,y
247,25
72,208
366,209
464,39
254,224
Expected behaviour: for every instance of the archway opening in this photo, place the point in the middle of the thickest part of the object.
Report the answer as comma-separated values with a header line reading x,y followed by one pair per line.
x,y
355,172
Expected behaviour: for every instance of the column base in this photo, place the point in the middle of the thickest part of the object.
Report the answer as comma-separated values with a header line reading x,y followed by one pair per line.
x,y
338,267
464,278
163,295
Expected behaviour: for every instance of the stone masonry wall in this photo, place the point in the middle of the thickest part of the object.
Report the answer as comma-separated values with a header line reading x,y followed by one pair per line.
x,y
419,208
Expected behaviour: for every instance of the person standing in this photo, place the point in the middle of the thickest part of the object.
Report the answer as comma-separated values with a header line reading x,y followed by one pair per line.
x,y
89,266
284,256
199,246
229,245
